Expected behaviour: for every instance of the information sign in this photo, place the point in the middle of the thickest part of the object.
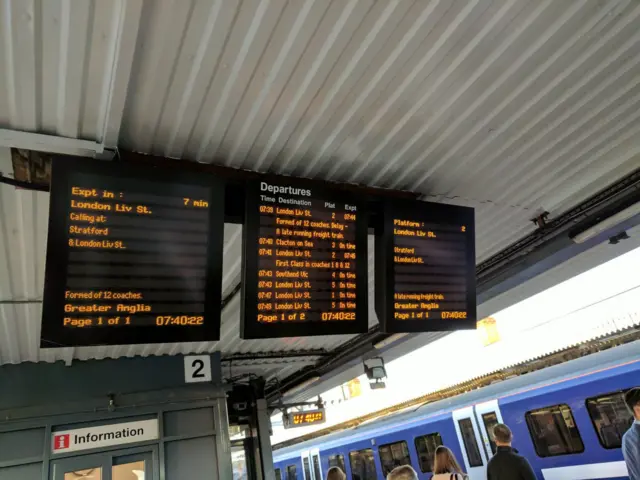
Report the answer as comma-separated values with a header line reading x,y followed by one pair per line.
x,y
133,256
302,419
305,262
425,268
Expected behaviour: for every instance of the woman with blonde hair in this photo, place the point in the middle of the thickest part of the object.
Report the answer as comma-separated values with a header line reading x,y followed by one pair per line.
x,y
445,466
336,473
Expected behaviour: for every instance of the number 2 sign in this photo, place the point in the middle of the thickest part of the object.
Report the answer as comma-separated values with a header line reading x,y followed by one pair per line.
x,y
197,368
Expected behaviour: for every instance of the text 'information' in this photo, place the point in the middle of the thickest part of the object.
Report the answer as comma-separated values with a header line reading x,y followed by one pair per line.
x,y
305,254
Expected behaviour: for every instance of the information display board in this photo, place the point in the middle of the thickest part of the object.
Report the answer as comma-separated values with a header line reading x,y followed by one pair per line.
x,y
305,262
134,255
302,419
425,267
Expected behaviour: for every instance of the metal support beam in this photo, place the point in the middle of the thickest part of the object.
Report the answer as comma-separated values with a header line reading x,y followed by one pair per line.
x,y
50,143
263,427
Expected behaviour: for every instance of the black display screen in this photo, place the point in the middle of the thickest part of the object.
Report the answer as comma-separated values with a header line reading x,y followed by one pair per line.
x,y
302,419
133,255
305,262
425,268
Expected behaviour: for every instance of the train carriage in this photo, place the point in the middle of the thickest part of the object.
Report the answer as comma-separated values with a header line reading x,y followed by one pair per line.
x,y
567,420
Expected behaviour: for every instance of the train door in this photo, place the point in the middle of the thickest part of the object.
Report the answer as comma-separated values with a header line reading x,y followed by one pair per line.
x,y
316,467
475,458
307,471
488,416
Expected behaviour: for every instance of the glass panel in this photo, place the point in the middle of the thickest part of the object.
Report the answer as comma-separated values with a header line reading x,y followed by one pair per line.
x,y
86,474
278,474
426,448
292,472
238,432
610,417
239,463
337,461
470,442
316,467
307,469
363,466
490,420
128,471
393,455
553,431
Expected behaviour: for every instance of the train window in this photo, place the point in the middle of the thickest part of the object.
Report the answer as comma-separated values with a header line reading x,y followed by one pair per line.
x,y
306,468
470,442
363,466
337,461
490,420
610,417
426,447
278,474
393,455
292,472
554,431
316,467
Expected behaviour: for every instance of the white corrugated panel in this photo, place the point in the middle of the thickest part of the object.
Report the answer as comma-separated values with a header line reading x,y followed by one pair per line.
x,y
65,66
512,107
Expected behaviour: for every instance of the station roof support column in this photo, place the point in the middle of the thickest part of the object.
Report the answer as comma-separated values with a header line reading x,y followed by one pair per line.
x,y
261,428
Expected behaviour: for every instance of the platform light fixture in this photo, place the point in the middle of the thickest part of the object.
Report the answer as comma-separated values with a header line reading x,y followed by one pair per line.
x,y
376,373
50,143
607,223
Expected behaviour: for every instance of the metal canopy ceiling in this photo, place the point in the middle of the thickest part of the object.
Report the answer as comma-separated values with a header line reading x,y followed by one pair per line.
x,y
512,107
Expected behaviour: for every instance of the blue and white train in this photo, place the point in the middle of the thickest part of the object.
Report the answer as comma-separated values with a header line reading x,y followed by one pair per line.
x,y
567,420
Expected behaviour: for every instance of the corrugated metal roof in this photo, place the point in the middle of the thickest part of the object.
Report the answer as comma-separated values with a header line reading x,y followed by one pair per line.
x,y
512,107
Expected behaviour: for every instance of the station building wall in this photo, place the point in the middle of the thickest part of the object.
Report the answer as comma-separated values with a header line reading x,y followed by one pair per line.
x,y
57,419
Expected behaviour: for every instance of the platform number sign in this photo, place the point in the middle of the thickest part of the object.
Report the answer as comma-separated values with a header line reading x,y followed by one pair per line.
x,y
197,368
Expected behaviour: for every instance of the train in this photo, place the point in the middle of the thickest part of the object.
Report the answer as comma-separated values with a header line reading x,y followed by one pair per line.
x,y
567,420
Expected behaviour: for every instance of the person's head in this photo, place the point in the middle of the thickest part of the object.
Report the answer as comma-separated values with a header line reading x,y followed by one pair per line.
x,y
335,473
445,462
632,399
502,435
404,472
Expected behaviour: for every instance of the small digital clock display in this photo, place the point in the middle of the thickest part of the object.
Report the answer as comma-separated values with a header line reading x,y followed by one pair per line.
x,y
301,419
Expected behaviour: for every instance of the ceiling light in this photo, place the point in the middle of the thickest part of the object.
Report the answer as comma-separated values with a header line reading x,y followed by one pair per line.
x,y
608,223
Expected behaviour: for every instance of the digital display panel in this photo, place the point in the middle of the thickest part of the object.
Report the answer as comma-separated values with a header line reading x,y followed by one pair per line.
x,y
133,255
425,268
305,262
302,419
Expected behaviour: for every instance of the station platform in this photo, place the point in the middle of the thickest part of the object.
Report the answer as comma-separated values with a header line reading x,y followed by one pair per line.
x,y
214,210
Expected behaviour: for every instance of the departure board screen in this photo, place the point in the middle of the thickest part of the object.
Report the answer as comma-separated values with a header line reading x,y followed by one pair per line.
x,y
305,262
134,255
425,268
